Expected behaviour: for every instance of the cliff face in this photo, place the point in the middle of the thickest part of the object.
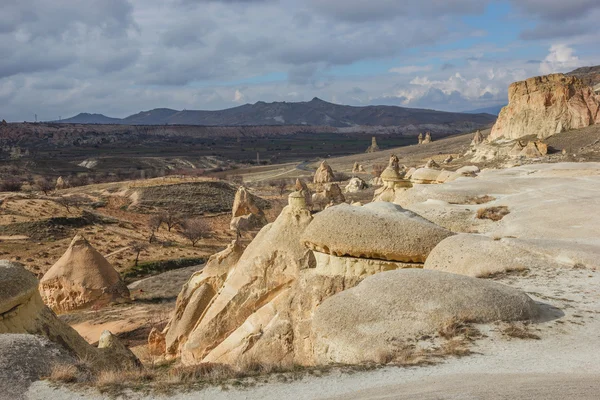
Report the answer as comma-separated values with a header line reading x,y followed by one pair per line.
x,y
545,105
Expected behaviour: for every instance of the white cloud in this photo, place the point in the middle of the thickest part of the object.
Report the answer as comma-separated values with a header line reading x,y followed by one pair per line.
x,y
238,97
411,69
561,58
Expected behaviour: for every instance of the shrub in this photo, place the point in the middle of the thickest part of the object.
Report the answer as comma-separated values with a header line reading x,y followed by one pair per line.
x,y
11,184
493,213
195,229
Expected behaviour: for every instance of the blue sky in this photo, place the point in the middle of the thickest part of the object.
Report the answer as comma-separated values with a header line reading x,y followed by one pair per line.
x,y
117,57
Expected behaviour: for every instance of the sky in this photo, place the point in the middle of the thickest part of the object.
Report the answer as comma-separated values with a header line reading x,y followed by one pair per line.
x,y
119,57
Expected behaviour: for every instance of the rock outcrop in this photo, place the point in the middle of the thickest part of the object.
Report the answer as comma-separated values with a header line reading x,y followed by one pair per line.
x,y
60,183
246,215
81,278
546,105
22,311
477,138
324,174
25,359
355,185
373,147
481,256
427,138
393,181
259,306
249,312
302,187
387,310
330,195
420,138
379,230
196,296
358,168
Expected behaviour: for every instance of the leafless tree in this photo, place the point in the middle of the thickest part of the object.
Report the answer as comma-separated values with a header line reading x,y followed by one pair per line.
x,y
136,248
171,218
154,223
195,229
70,201
45,184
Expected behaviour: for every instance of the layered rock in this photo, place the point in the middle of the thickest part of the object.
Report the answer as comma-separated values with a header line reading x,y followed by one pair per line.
x,y
388,310
546,105
259,306
246,215
22,311
379,230
195,297
432,175
245,309
81,278
302,187
324,174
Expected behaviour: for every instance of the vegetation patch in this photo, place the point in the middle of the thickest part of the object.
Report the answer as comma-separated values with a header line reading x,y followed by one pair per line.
x,y
53,228
493,213
157,267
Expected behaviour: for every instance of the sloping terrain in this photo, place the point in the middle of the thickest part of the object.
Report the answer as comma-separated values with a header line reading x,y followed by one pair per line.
x,y
314,112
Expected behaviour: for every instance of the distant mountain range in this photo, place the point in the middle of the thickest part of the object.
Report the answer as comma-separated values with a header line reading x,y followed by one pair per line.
x,y
313,113
494,110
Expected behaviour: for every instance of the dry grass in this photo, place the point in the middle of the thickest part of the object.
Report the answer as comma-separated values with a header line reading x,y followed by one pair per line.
x,y
519,331
457,347
480,199
64,373
493,213
455,327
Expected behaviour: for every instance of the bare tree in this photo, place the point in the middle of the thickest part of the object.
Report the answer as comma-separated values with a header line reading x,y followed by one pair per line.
x,y
45,184
137,247
70,201
171,218
195,229
154,223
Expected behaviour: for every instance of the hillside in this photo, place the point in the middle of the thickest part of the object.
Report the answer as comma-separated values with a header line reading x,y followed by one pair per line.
x,y
589,75
313,113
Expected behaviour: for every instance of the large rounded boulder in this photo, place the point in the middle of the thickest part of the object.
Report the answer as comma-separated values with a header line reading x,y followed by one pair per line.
x,y
480,256
377,230
388,309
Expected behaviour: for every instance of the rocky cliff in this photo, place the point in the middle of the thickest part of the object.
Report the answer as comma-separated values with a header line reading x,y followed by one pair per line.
x,y
546,105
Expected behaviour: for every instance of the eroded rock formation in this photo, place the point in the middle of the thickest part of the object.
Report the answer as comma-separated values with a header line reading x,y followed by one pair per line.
x,y
258,303
324,174
379,230
388,310
246,214
22,311
373,147
81,278
393,181
330,195
477,138
355,185
546,105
